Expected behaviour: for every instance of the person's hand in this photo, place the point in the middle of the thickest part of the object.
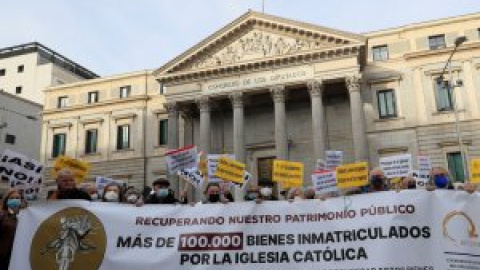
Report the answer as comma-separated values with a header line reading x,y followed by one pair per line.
x,y
258,200
470,188
430,187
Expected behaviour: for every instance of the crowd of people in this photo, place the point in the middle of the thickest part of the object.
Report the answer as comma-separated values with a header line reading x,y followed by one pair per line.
x,y
161,193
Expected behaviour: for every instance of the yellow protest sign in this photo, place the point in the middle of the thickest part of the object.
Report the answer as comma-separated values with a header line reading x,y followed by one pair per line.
x,y
288,173
230,170
352,175
475,171
79,168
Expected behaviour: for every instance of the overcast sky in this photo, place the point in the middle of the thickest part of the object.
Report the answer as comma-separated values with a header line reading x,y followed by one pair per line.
x,y
116,36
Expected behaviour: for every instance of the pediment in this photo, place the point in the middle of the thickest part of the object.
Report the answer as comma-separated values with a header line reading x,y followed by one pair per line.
x,y
257,36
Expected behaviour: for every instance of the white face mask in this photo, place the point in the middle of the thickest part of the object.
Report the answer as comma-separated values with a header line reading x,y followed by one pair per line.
x,y
111,196
94,197
266,191
132,198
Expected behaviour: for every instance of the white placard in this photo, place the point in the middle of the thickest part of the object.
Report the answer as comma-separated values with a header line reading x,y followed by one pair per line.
x,y
396,166
193,176
324,182
184,158
333,159
22,172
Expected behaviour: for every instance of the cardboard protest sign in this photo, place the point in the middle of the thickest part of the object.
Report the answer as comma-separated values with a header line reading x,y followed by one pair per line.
x,y
101,182
352,175
21,172
230,170
424,167
288,173
324,182
396,166
79,168
183,158
333,159
212,163
475,171
193,176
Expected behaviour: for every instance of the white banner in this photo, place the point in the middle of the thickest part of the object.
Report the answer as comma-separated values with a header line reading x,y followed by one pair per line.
x,y
333,159
424,167
101,182
396,166
387,230
324,182
21,172
212,164
193,176
183,158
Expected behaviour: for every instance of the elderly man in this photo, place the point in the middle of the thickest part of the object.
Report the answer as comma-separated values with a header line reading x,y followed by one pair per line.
x,y
66,188
377,181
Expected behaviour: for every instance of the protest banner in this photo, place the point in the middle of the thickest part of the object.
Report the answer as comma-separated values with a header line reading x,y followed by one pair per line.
x,y
79,168
183,158
101,182
288,173
333,159
212,163
324,182
385,230
21,172
475,171
193,176
230,170
396,166
352,175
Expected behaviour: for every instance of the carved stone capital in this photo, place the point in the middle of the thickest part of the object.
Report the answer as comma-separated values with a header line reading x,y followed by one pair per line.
x,y
237,99
172,109
353,83
204,104
315,88
188,115
278,93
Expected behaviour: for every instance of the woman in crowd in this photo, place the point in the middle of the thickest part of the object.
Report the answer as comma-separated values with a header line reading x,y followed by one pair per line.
x,y
91,189
162,194
252,193
266,191
213,194
133,196
11,205
113,192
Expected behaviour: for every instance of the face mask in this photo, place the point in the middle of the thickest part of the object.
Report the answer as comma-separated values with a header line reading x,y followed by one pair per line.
x,y
162,193
441,181
252,196
376,181
14,203
266,191
214,197
132,198
111,196
94,197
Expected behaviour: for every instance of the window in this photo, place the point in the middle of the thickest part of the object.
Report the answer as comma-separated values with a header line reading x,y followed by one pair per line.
x,y
436,42
386,104
125,91
2,72
20,69
62,102
59,144
10,139
162,89
443,96
92,97
123,137
162,132
18,90
455,166
91,141
380,53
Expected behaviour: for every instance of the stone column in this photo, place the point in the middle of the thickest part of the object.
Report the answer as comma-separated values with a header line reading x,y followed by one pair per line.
x,y
204,107
173,119
315,88
359,131
238,126
281,144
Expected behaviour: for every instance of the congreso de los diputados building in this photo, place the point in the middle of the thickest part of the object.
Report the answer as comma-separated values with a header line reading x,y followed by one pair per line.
x,y
265,87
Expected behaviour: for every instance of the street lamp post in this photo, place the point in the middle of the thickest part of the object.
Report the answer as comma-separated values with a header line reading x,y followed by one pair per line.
x,y
451,86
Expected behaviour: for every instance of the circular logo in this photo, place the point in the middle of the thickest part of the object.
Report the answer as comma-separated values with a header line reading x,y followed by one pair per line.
x,y
71,239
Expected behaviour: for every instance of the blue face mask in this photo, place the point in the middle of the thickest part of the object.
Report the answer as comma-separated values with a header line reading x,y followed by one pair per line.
x,y
14,203
441,181
162,193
